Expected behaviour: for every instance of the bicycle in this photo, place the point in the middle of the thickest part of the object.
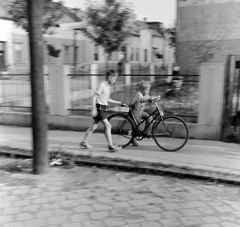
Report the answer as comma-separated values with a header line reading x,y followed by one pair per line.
x,y
169,132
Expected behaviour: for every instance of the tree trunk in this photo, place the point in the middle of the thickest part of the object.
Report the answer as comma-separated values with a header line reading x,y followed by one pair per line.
x,y
39,115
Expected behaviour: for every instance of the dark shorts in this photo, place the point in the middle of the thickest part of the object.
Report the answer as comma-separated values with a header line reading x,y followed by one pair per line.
x,y
102,113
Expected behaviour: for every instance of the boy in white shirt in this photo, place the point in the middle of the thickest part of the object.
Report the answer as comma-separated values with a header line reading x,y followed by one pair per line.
x,y
100,102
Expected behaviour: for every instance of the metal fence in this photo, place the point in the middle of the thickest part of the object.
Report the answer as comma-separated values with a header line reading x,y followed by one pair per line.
x,y
15,92
179,97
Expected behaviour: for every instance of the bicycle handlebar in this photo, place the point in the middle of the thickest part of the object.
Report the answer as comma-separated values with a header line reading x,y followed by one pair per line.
x,y
155,100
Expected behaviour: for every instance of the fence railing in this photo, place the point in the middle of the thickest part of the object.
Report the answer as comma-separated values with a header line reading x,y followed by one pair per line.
x,y
180,97
15,92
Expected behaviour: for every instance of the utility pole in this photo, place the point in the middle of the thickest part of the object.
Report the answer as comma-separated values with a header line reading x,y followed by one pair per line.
x,y
39,114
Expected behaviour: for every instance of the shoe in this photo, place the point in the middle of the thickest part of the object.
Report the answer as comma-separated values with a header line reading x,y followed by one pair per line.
x,y
134,143
85,145
114,148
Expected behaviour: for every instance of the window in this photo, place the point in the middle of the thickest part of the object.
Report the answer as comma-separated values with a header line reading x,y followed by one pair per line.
x,y
18,52
67,54
2,56
132,56
145,55
137,54
76,57
96,57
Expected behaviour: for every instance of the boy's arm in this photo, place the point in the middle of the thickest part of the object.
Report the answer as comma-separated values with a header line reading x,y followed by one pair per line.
x,y
94,107
114,101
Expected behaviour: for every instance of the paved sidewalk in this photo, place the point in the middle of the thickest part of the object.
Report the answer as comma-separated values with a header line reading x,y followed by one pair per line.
x,y
202,158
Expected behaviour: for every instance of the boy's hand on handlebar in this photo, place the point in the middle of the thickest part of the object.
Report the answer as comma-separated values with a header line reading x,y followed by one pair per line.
x,y
123,104
155,98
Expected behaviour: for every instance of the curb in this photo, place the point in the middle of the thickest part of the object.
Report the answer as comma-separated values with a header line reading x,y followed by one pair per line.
x,y
131,166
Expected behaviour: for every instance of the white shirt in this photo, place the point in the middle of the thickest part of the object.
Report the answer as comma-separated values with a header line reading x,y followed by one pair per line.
x,y
103,93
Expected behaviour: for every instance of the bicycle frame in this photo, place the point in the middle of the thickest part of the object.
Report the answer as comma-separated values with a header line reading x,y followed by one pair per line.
x,y
137,124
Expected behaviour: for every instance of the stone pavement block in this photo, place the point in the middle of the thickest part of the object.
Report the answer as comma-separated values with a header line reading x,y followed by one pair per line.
x,y
21,203
189,212
206,210
190,221
171,222
211,225
58,220
171,214
100,207
56,198
59,212
210,219
110,222
24,216
14,224
44,214
99,215
11,210
228,224
11,198
131,225
69,203
151,224
152,216
4,193
51,206
72,225
193,204
32,208
94,224
6,218
40,200
5,204
36,223
120,204
172,206
79,217
83,209
223,208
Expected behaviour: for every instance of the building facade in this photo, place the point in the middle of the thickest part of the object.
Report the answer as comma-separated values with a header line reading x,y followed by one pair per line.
x,y
146,45
207,31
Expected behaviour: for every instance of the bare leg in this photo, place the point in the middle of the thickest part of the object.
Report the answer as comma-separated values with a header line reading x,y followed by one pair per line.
x,y
90,130
107,131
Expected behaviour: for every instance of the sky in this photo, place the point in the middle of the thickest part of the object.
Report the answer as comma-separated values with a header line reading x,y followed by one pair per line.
x,y
154,10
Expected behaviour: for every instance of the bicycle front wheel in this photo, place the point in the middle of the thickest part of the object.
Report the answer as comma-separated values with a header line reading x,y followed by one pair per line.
x,y
122,129
171,134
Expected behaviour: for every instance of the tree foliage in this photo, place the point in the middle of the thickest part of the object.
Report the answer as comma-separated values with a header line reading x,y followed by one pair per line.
x,y
107,24
51,14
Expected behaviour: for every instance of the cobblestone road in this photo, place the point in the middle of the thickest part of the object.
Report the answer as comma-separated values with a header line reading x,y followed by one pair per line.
x,y
92,197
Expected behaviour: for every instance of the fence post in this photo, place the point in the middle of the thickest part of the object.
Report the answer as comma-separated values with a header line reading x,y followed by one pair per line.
x,y
228,95
59,89
211,96
94,77
127,73
169,72
152,72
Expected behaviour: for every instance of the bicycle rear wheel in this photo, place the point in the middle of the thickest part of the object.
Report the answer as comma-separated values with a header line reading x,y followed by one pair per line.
x,y
122,129
173,136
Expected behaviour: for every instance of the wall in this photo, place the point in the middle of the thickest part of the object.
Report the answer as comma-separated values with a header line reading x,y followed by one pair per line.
x,y
6,36
207,30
